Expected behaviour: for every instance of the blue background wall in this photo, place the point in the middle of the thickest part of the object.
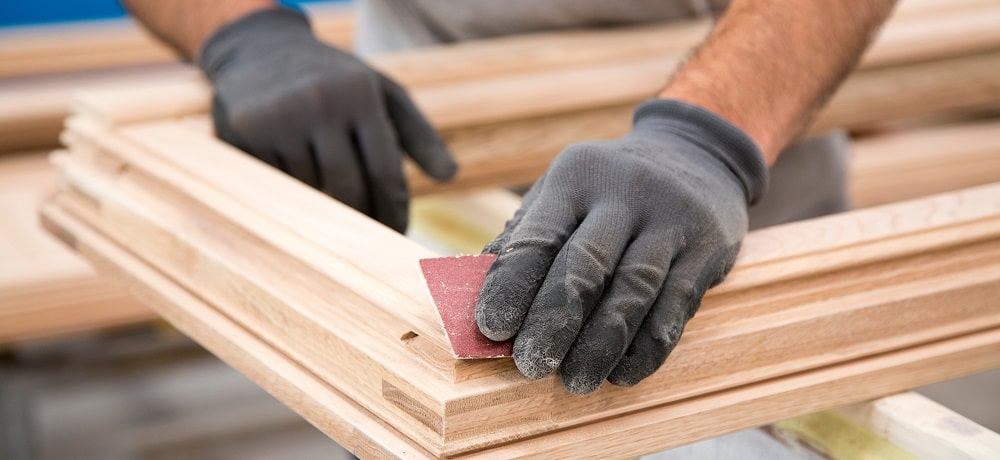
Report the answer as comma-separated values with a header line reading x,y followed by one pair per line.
x,y
22,12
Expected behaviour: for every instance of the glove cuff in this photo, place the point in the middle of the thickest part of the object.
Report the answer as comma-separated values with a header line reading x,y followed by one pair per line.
x,y
720,138
262,28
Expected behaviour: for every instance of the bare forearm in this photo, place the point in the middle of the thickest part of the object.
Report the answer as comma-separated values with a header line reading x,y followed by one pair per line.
x,y
770,65
185,24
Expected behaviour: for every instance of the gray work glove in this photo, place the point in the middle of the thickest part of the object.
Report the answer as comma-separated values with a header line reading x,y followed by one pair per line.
x,y
318,113
614,247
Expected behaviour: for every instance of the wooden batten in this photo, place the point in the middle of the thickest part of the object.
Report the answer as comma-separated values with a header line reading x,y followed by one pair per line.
x,y
630,435
468,88
217,223
328,409
114,43
505,150
924,428
909,164
44,290
505,130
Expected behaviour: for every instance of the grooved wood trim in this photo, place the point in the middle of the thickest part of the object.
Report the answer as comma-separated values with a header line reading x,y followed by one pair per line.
x,y
653,429
339,294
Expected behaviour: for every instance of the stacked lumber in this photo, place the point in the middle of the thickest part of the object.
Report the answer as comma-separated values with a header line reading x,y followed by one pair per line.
x,y
507,106
907,164
104,44
45,290
41,66
326,308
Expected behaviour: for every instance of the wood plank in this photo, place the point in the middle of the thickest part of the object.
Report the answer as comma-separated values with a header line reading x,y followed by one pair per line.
x,y
461,223
521,130
515,152
46,290
925,428
504,79
35,107
651,430
831,435
156,189
103,44
326,408
909,164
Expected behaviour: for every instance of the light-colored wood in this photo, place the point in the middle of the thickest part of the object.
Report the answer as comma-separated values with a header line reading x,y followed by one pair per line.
x,y
326,408
834,436
922,7
516,151
505,130
461,223
958,28
104,44
650,430
41,66
32,109
523,85
466,88
157,189
925,428
909,164
46,290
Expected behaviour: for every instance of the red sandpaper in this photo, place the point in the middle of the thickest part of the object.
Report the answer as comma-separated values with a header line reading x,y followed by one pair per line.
x,y
455,283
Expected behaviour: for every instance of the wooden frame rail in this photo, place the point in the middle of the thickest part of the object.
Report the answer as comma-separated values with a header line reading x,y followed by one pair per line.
x,y
506,111
181,215
917,162
931,58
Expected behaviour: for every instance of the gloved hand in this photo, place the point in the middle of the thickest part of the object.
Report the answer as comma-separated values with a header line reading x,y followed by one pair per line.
x,y
318,113
614,247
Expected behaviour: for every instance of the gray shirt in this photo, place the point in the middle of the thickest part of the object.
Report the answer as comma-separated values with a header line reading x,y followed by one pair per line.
x,y
390,25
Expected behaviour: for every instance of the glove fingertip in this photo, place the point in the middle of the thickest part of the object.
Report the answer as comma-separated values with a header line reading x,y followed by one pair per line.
x,y
442,167
491,318
531,360
397,222
624,375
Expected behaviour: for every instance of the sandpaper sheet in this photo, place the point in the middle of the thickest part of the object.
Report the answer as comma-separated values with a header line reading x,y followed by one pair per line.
x,y
454,284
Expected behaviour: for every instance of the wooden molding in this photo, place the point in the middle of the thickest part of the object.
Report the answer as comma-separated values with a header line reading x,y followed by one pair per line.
x,y
506,125
104,44
481,93
660,428
908,164
46,290
341,296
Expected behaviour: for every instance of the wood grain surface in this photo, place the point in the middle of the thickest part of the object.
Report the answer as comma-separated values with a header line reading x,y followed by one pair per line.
x,y
218,223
